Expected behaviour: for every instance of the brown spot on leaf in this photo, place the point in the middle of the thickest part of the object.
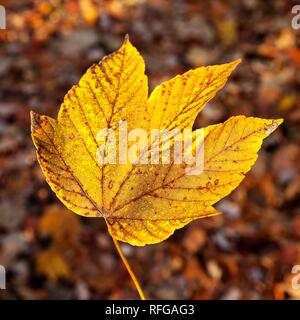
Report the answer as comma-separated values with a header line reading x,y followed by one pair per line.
x,y
208,185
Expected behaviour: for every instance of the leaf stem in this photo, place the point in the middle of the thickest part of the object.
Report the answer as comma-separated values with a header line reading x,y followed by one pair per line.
x,y
128,267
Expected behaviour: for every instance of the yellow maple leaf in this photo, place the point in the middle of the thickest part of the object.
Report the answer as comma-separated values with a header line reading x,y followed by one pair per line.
x,y
143,203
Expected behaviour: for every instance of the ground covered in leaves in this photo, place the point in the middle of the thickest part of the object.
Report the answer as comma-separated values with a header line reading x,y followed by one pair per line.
x,y
247,253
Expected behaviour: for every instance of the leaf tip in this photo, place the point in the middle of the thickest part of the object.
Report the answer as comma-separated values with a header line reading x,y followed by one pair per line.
x,y
272,125
126,43
235,63
126,38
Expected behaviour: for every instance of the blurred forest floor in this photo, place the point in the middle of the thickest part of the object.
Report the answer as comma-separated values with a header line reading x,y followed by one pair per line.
x,y
248,252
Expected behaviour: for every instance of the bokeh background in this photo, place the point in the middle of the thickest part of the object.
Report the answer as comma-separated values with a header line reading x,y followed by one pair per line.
x,y
247,253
